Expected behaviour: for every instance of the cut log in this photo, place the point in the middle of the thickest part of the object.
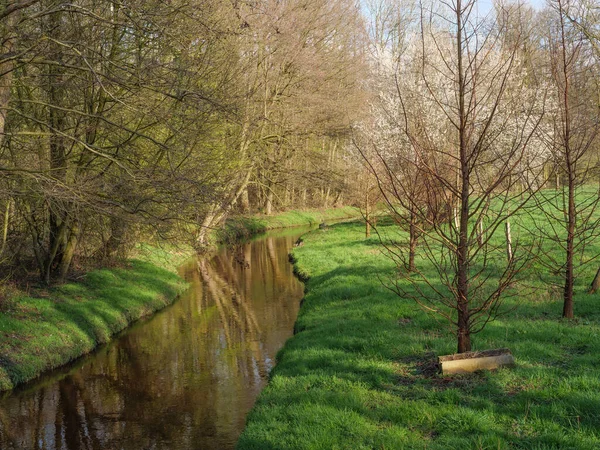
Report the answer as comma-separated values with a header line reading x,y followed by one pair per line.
x,y
473,361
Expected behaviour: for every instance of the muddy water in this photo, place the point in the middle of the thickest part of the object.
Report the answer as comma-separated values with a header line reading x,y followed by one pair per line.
x,y
184,379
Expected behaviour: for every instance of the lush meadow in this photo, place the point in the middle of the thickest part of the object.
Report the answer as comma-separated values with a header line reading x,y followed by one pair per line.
x,y
360,372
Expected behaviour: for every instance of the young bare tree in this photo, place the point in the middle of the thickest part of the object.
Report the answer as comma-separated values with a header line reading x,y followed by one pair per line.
x,y
468,118
571,210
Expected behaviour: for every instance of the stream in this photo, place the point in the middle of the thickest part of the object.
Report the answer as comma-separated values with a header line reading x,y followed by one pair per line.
x,y
183,379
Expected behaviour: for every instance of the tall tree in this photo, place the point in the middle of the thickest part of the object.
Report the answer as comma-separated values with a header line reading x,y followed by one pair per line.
x,y
300,59
467,120
573,136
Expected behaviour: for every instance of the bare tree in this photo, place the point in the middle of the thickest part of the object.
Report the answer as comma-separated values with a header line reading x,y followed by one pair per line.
x,y
570,211
103,93
468,118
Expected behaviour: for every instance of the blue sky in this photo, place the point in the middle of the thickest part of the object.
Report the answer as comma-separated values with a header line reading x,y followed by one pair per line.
x,y
485,5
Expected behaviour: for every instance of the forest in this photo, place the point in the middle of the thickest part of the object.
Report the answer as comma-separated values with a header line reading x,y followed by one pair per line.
x,y
125,121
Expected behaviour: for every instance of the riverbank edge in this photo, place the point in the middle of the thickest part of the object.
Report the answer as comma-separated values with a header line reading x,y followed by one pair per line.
x,y
54,327
57,326
242,227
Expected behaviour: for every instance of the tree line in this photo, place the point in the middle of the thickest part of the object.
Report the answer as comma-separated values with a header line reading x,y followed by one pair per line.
x,y
133,118
127,120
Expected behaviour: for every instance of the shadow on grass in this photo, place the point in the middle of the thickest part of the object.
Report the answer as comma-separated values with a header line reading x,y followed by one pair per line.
x,y
353,375
81,316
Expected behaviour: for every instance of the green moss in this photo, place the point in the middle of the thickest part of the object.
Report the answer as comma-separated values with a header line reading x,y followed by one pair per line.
x,y
353,376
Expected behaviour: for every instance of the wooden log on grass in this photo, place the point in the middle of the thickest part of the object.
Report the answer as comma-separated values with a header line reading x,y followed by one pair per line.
x,y
474,361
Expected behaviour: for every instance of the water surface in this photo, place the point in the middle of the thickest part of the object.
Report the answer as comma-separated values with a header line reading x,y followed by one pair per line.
x,y
184,379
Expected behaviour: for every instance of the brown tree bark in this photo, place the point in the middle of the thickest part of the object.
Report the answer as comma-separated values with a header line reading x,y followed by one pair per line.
x,y
571,169
69,251
464,335
413,230
367,215
569,274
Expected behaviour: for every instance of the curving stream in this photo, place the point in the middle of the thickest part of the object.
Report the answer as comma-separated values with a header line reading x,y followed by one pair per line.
x,y
183,379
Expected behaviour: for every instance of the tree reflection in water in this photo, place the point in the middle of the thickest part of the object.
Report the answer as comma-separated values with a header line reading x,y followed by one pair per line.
x,y
184,379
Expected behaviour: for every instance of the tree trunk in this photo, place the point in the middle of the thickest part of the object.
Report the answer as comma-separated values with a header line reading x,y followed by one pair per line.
x,y
57,210
118,230
326,200
55,248
269,202
218,211
69,252
462,288
570,160
413,242
5,226
286,197
464,337
456,219
367,216
6,68
338,199
245,201
569,275
205,227
595,283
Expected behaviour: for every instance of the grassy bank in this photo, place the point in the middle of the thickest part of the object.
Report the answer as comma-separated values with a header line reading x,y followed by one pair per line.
x,y
55,326
242,227
358,373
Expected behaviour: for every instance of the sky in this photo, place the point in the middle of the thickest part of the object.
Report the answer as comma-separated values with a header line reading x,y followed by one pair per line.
x,y
485,5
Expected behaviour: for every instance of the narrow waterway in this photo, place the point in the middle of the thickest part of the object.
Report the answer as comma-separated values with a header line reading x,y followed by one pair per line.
x,y
184,379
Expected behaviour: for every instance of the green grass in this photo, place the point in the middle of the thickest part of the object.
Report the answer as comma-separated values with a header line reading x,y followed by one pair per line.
x,y
355,376
66,322
242,227
63,323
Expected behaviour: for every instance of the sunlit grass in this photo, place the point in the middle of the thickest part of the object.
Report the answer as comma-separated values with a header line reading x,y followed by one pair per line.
x,y
60,324
240,227
355,375
57,325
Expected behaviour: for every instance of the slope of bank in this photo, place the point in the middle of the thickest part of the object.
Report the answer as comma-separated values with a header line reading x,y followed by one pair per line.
x,y
52,327
58,325
359,375
243,227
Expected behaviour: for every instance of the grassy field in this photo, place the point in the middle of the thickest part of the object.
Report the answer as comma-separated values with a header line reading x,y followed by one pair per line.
x,y
358,373
241,227
57,325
